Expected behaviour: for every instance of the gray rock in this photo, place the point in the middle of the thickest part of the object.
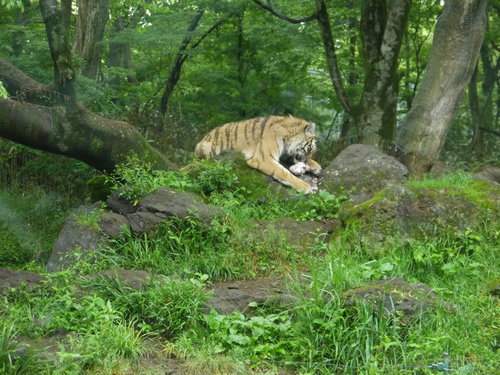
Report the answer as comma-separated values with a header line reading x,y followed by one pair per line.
x,y
144,222
362,170
76,239
489,174
395,295
401,213
14,279
299,234
135,279
243,296
119,204
112,224
165,204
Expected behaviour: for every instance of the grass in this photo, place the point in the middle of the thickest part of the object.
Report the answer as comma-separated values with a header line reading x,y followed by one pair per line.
x,y
109,327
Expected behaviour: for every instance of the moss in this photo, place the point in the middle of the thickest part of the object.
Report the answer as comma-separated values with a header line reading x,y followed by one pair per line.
x,y
99,188
415,211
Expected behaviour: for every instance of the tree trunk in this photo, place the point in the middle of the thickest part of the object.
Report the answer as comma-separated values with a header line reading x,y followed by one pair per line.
x,y
331,55
180,58
476,144
81,135
89,33
383,28
19,36
455,48
120,55
55,20
63,126
384,23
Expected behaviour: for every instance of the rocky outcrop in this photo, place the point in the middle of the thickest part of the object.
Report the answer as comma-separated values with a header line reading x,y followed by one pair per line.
x,y
395,295
360,171
10,279
89,228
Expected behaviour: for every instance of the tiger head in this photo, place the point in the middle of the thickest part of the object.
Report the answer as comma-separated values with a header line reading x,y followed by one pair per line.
x,y
300,147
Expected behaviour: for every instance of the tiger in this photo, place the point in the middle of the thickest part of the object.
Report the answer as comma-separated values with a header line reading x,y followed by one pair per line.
x,y
266,142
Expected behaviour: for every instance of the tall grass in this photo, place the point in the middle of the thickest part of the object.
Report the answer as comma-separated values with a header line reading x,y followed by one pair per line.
x,y
109,326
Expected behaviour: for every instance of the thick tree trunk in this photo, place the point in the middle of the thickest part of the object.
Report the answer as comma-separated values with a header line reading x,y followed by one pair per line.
x,y
55,20
78,133
120,55
81,134
455,48
89,33
383,27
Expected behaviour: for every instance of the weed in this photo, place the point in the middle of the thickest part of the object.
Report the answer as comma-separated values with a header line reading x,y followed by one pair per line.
x,y
13,360
165,307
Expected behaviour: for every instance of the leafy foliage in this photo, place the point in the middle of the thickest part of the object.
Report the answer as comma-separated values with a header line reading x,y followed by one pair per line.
x,y
251,65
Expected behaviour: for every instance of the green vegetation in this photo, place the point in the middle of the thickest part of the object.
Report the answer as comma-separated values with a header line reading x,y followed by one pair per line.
x,y
249,64
111,328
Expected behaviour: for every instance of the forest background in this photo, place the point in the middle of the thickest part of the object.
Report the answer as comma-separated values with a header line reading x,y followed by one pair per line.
x,y
174,70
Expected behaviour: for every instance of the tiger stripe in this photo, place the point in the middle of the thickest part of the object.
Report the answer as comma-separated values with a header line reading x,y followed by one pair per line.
x,y
264,141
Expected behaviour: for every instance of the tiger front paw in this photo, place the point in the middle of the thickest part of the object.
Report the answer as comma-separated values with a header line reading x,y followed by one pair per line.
x,y
316,171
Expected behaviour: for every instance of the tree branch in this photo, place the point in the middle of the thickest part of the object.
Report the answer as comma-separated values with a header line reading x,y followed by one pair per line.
x,y
181,57
21,87
206,33
497,133
270,8
79,133
331,56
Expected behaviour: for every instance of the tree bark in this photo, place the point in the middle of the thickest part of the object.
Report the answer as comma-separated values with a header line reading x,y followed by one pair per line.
x,y
120,55
383,27
476,144
89,33
79,133
57,29
457,40
331,55
180,58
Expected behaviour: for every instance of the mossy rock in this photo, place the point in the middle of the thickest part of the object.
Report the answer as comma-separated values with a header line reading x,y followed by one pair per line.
x,y
394,295
99,188
493,287
250,182
399,213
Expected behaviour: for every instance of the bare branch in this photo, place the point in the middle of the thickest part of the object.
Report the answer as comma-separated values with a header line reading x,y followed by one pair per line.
x,y
270,9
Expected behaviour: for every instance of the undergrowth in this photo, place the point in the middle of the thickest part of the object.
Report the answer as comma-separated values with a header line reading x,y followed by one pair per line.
x,y
219,183
104,326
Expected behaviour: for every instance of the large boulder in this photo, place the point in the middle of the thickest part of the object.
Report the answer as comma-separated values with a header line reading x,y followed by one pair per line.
x,y
165,204
360,171
89,228
489,174
401,213
83,232
301,235
395,295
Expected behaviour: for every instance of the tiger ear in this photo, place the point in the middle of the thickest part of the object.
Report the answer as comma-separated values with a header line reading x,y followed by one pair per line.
x,y
310,129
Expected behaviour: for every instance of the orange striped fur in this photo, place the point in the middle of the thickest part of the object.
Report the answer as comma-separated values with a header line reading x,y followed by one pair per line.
x,y
265,141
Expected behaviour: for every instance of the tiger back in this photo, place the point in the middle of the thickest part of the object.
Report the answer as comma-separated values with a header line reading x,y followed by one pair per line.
x,y
264,141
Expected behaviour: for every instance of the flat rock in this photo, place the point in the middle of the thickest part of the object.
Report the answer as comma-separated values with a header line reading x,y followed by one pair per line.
x,y
14,279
